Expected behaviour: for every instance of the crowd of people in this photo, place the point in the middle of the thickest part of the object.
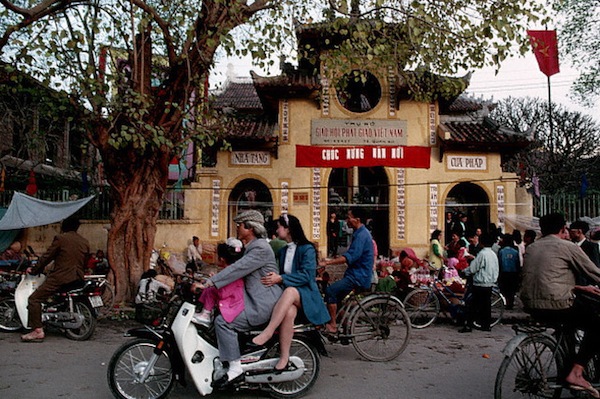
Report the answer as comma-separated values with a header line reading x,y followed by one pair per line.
x,y
269,278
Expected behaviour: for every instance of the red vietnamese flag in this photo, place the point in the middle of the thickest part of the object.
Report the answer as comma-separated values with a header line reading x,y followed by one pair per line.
x,y
545,48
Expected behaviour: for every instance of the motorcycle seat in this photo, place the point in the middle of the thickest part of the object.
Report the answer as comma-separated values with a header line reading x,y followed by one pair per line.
x,y
73,287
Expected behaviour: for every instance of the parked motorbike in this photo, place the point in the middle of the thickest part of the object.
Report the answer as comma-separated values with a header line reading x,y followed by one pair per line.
x,y
72,309
149,365
10,275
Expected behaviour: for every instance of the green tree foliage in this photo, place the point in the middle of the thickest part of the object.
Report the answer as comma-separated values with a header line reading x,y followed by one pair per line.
x,y
558,156
579,38
137,117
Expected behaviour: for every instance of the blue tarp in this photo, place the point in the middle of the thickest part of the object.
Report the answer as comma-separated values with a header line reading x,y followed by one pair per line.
x,y
25,211
7,236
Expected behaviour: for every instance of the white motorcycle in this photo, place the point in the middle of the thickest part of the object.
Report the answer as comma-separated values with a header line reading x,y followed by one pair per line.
x,y
73,309
149,365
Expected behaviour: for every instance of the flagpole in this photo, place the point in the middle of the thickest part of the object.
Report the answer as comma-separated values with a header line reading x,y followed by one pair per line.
x,y
550,108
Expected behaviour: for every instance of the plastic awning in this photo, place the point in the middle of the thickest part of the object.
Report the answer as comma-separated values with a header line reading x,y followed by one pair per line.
x,y
25,211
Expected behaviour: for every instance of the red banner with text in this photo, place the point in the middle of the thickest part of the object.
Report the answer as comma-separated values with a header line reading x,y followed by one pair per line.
x,y
346,157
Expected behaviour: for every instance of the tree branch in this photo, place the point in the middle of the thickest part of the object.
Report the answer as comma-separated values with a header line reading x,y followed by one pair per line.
x,y
164,27
31,15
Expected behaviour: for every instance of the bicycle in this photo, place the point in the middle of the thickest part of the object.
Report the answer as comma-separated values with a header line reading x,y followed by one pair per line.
x,y
376,324
536,362
106,291
425,303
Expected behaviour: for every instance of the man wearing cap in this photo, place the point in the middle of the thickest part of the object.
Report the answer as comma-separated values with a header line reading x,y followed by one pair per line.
x,y
259,299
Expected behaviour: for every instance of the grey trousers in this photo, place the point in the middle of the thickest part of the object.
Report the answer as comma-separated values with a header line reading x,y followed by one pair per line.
x,y
227,336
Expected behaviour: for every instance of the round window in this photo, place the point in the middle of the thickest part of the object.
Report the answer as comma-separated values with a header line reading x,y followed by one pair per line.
x,y
358,91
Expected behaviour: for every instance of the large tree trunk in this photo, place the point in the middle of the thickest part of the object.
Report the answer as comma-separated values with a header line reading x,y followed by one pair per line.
x,y
137,195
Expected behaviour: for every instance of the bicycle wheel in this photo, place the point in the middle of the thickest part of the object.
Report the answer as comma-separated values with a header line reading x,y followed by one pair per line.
x,y
108,300
88,326
9,318
422,306
498,302
129,363
380,328
300,386
530,371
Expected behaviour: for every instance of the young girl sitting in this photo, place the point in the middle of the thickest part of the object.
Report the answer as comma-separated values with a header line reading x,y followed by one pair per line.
x,y
229,297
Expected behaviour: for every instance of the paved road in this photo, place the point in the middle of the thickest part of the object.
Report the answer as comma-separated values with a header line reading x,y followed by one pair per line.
x,y
438,363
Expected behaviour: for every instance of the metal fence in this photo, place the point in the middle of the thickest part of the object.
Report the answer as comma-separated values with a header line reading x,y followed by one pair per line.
x,y
571,206
99,208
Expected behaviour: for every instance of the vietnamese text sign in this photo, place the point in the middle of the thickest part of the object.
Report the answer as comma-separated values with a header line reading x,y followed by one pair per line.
x,y
262,158
346,157
462,162
358,132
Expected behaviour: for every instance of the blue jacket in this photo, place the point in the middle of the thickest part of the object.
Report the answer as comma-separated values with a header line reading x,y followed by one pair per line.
x,y
508,259
360,257
303,278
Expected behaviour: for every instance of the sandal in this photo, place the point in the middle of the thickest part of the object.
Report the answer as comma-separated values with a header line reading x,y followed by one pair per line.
x,y
288,367
33,337
593,392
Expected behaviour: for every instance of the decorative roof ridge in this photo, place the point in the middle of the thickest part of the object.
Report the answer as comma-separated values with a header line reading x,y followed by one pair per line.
x,y
291,77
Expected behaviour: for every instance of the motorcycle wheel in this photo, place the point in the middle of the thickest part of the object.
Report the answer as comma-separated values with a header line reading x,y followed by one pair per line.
x,y
129,362
89,323
312,365
9,317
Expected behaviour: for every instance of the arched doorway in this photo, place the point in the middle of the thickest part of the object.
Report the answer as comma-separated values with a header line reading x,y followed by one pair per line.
x,y
471,200
368,187
249,194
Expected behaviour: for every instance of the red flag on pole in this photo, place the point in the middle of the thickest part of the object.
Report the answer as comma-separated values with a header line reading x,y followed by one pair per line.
x,y
545,48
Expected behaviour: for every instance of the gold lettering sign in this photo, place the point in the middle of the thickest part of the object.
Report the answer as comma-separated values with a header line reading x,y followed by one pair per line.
x,y
358,132
260,158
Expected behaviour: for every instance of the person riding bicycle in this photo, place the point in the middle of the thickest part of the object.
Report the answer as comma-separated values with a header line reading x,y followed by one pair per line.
x,y
359,257
551,268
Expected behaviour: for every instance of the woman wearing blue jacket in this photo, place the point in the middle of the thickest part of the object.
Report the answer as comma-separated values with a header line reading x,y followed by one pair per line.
x,y
297,273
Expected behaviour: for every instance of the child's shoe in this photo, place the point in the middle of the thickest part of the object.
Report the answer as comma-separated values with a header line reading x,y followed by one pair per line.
x,y
202,319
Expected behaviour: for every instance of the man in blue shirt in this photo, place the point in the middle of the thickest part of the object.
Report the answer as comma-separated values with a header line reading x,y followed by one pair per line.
x,y
359,258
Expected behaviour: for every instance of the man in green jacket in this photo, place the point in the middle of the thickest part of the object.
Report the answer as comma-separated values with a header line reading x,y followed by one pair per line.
x,y
552,266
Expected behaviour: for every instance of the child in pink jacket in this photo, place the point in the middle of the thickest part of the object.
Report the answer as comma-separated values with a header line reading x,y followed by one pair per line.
x,y
230,298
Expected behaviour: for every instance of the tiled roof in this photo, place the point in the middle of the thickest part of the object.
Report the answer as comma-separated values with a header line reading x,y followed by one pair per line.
x,y
463,104
293,80
258,129
480,134
239,96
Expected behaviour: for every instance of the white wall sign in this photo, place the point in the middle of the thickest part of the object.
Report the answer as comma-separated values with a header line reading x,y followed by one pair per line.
x,y
251,158
466,162
285,197
285,121
316,214
215,202
358,132
401,204
432,135
392,93
500,201
325,95
433,207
